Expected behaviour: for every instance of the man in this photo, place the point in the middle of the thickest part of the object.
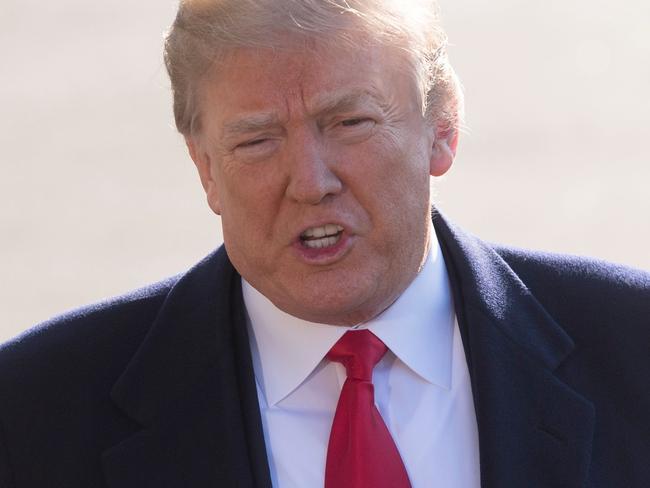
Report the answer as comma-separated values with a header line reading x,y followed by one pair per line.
x,y
315,127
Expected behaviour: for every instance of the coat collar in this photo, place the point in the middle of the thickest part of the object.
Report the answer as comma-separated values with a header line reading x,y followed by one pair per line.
x,y
191,384
191,387
534,430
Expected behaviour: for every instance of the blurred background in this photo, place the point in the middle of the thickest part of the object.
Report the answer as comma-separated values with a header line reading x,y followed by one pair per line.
x,y
98,195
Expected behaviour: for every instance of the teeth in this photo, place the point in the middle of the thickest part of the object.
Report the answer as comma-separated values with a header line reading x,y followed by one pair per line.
x,y
323,242
324,230
331,229
323,236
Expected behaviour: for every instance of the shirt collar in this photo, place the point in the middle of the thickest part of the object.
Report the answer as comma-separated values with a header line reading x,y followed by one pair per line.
x,y
417,328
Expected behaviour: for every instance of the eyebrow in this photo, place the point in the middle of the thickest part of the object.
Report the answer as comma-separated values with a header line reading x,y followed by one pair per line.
x,y
336,103
251,123
328,105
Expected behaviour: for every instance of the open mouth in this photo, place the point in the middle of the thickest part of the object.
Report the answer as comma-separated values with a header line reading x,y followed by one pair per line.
x,y
321,237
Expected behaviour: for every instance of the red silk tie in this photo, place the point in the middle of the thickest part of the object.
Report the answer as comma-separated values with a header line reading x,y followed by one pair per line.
x,y
361,452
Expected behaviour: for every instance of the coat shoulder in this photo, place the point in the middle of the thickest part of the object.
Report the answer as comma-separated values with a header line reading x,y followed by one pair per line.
x,y
604,308
95,335
584,277
57,378
60,378
589,298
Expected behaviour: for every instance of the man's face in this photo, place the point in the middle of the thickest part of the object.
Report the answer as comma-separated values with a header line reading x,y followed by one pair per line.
x,y
318,162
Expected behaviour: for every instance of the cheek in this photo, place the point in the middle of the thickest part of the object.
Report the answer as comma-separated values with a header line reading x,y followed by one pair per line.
x,y
397,192
249,202
396,170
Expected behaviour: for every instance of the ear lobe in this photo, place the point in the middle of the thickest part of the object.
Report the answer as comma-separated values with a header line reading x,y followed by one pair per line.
x,y
204,167
443,152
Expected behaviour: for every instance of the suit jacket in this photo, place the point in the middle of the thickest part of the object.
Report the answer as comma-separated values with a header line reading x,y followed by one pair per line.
x,y
156,388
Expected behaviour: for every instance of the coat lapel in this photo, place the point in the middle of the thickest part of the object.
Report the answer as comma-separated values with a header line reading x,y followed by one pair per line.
x,y
191,387
534,430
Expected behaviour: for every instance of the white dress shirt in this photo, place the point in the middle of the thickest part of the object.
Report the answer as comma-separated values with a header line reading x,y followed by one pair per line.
x,y
422,387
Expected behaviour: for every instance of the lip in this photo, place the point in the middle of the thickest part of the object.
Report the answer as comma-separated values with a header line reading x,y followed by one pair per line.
x,y
327,255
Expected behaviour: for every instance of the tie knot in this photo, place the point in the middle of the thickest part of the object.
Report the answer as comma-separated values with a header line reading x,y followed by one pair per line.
x,y
359,351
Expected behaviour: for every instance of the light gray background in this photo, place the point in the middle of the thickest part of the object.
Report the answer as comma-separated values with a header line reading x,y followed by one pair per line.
x,y
98,196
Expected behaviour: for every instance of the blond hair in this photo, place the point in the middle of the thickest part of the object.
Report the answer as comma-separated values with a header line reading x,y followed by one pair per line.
x,y
204,31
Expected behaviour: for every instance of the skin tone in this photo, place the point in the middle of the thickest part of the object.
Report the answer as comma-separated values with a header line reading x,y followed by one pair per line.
x,y
293,140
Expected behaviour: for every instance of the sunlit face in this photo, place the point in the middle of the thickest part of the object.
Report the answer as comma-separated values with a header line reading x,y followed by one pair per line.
x,y
318,162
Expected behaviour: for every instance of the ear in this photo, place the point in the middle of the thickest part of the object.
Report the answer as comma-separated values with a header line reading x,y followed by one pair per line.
x,y
204,167
443,151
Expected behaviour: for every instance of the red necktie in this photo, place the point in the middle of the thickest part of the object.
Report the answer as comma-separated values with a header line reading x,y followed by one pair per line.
x,y
361,452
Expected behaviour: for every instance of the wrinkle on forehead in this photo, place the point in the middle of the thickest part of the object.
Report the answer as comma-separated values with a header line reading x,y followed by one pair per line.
x,y
281,85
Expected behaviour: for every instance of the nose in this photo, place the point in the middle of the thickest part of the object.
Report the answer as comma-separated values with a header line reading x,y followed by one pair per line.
x,y
311,178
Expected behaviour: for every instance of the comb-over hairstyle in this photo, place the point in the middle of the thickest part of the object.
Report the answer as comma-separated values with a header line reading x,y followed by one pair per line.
x,y
205,31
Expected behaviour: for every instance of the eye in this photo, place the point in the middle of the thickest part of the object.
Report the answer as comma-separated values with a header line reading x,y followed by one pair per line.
x,y
252,143
354,122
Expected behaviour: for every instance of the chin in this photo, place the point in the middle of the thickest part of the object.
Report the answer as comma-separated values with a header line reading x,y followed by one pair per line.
x,y
335,304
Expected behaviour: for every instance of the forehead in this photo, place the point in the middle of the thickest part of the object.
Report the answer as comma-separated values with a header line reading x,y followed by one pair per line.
x,y
287,81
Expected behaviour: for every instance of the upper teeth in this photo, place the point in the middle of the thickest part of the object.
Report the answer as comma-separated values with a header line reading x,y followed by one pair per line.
x,y
324,230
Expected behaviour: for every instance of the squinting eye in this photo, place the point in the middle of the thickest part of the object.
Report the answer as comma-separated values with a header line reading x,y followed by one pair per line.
x,y
353,122
254,142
